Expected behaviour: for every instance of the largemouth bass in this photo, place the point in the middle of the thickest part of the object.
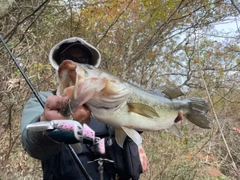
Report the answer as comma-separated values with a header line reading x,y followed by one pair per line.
x,y
126,107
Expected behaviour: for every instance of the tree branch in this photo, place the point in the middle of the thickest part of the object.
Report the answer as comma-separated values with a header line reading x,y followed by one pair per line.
x,y
235,6
9,35
114,22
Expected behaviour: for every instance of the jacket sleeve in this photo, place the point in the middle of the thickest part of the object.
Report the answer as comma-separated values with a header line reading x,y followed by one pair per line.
x,y
37,144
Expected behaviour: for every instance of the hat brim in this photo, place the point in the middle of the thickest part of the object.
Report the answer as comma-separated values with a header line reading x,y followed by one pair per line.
x,y
53,55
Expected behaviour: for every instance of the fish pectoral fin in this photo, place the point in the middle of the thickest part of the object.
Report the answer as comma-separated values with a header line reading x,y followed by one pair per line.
x,y
170,92
133,134
174,129
142,109
120,136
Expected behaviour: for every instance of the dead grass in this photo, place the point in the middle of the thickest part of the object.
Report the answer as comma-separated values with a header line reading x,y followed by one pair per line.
x,y
17,164
187,158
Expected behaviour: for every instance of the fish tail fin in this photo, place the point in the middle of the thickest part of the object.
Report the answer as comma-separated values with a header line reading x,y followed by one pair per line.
x,y
198,112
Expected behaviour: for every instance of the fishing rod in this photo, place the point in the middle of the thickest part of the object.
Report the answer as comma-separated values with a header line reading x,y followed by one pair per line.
x,y
73,153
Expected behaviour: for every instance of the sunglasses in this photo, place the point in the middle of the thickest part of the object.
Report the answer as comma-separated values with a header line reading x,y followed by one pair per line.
x,y
83,60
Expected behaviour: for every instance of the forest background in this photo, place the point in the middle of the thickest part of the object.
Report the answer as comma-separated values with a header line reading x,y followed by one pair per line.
x,y
148,43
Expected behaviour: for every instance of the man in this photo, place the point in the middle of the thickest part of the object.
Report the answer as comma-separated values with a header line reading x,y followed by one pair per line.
x,y
57,162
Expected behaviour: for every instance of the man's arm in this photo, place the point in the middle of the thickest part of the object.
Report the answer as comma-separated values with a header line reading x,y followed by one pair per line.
x,y
36,144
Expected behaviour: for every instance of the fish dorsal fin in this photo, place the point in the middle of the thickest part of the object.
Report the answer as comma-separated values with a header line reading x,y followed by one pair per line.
x,y
170,91
133,134
120,136
142,109
174,129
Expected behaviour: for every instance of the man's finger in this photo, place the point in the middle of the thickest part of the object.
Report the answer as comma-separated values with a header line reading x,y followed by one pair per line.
x,y
82,115
143,158
54,115
179,117
56,102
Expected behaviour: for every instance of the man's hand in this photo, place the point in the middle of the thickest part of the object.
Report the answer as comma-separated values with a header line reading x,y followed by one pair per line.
x,y
53,106
179,117
143,158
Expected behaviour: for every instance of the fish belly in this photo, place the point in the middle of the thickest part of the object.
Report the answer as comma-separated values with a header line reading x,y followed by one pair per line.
x,y
123,118
143,123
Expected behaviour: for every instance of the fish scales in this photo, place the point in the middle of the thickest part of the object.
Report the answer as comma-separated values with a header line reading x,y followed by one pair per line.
x,y
158,102
127,107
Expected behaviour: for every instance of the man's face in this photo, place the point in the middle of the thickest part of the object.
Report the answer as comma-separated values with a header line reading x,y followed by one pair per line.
x,y
75,54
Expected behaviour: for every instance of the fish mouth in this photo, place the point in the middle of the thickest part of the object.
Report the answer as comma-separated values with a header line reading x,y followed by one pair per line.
x,y
85,84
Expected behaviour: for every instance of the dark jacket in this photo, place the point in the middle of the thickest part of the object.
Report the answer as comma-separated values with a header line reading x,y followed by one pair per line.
x,y
57,161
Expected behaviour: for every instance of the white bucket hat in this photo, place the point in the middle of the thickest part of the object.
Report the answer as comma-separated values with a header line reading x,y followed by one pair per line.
x,y
54,53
